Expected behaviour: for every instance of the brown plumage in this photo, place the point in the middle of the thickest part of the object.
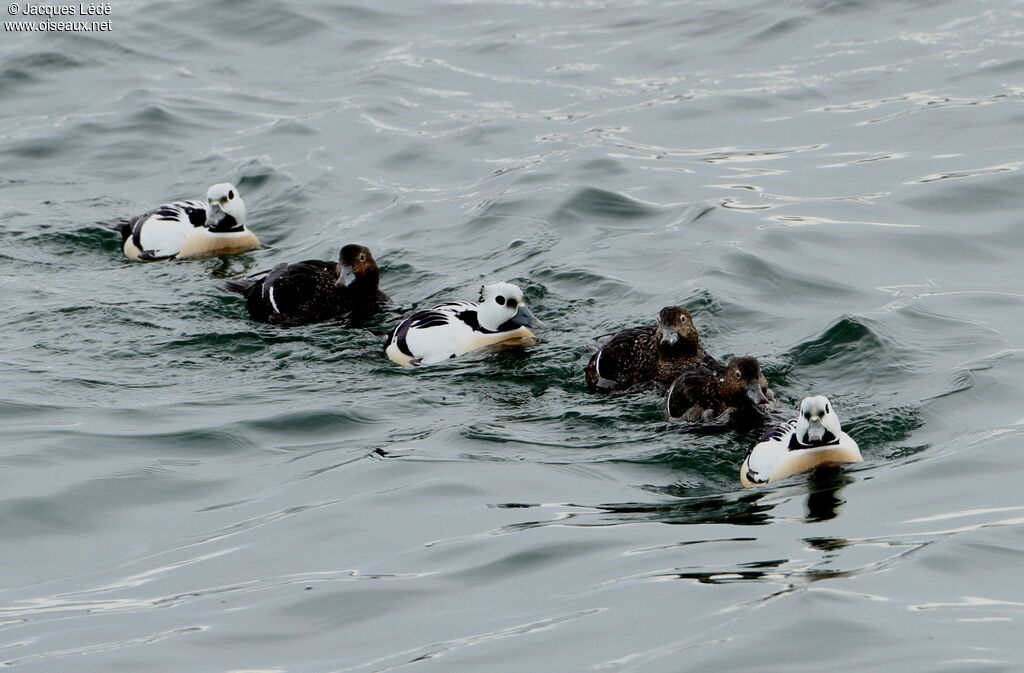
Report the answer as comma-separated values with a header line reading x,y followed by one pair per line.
x,y
706,391
648,354
314,290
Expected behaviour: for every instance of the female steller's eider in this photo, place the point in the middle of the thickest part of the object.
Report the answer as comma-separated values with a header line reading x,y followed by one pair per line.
x,y
642,355
813,439
705,392
314,290
452,329
190,229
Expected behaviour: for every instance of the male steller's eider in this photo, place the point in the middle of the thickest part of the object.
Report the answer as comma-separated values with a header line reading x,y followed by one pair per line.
x,y
452,329
190,229
813,439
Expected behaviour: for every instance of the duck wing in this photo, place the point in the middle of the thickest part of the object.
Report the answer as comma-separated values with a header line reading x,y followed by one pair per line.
x,y
159,233
627,358
299,293
692,393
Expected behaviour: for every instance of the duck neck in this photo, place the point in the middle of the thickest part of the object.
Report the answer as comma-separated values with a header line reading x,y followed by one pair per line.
x,y
680,348
364,286
226,224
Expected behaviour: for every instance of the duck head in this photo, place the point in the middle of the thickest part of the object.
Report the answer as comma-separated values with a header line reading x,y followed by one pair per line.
x,y
743,384
817,422
357,266
225,210
502,308
675,330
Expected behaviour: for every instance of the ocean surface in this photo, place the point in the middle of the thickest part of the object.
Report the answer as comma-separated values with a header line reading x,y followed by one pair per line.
x,y
833,186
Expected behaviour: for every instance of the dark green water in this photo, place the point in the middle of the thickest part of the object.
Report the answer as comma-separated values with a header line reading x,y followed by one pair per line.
x,y
832,186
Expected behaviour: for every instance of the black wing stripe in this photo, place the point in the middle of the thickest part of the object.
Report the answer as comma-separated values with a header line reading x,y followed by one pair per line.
x,y
418,320
137,233
426,319
398,337
778,431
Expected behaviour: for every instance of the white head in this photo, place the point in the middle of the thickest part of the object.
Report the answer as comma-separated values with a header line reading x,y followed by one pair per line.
x,y
225,210
816,421
502,308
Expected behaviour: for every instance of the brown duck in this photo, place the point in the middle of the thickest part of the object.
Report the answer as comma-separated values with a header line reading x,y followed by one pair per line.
x,y
705,392
648,354
314,290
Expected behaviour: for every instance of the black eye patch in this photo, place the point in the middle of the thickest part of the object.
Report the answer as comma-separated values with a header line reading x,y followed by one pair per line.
x,y
512,303
500,299
231,194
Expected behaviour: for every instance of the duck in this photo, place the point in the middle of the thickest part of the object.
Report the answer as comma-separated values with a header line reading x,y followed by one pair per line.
x,y
193,229
314,290
452,329
708,390
647,354
813,439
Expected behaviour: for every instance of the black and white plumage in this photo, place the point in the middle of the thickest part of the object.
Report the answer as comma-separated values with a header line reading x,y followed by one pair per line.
x,y
709,390
190,229
813,439
448,330
649,354
314,290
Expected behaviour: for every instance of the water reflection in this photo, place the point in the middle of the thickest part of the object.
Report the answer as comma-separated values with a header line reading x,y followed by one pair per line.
x,y
749,508
825,485
743,510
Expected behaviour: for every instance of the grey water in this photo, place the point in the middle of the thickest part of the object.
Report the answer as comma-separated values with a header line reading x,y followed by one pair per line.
x,y
833,186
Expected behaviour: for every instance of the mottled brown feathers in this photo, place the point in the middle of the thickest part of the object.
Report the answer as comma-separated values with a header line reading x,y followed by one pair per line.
x,y
645,355
707,391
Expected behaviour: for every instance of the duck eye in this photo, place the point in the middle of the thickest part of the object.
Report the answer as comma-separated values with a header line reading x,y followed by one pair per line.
x,y
738,375
500,300
827,409
231,193
807,415
362,258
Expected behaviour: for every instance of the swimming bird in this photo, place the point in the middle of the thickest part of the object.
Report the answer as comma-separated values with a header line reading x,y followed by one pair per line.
x,y
452,329
314,290
707,391
652,353
813,439
190,229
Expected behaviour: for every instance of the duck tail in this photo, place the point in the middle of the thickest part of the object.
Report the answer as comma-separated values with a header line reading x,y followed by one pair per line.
x,y
241,287
122,226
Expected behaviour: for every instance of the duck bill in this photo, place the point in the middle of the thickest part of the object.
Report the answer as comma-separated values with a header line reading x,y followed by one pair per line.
x,y
346,276
669,337
815,431
525,318
214,216
754,393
